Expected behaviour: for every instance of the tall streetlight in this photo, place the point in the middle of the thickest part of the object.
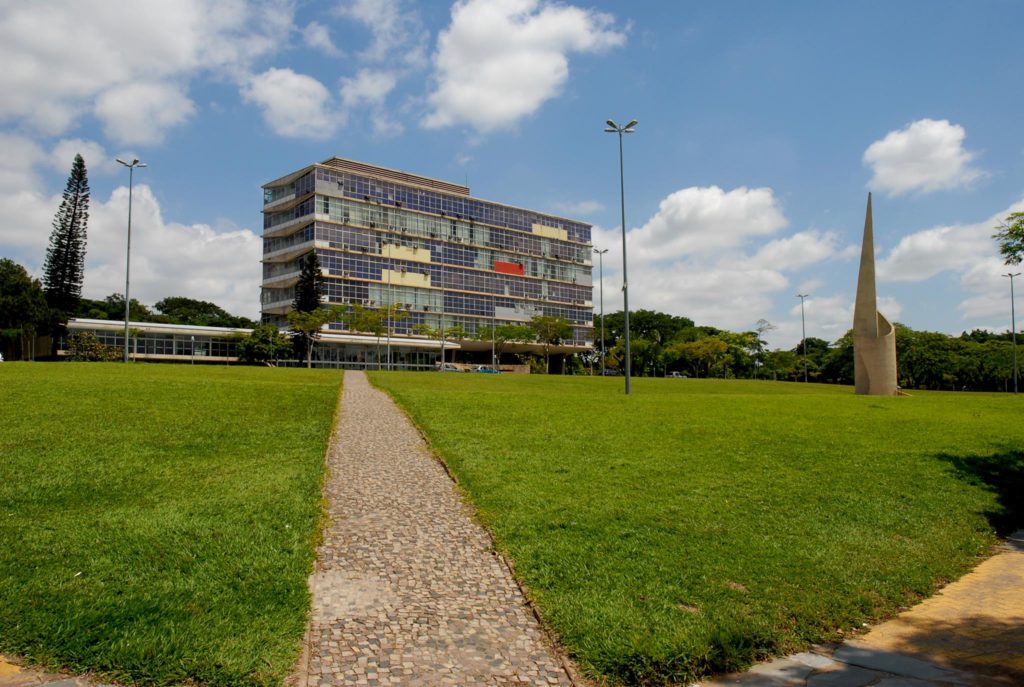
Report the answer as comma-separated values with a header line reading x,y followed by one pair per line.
x,y
1013,328
600,261
614,128
128,260
390,306
803,328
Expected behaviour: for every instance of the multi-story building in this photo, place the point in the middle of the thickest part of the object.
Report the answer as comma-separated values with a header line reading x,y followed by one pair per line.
x,y
447,261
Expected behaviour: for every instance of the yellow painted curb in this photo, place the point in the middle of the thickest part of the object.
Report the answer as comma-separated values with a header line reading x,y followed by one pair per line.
x,y
8,669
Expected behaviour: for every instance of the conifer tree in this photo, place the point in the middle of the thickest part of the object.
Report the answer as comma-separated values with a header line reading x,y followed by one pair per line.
x,y
64,267
309,290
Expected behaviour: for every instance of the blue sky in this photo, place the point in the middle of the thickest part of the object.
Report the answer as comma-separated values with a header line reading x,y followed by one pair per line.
x,y
762,127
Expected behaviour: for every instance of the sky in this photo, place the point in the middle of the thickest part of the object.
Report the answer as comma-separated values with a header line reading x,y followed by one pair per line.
x,y
762,128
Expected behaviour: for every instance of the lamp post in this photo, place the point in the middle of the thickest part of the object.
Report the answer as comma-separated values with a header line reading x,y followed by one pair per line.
x,y
1013,327
128,259
803,329
614,128
600,262
494,328
389,305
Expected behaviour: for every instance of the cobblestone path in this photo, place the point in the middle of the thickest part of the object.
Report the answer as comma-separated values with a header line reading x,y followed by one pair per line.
x,y
406,590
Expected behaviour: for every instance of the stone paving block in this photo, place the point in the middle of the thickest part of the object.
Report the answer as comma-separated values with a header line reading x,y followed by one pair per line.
x,y
865,656
815,660
845,676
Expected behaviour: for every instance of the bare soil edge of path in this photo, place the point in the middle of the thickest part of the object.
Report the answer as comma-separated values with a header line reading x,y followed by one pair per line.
x,y
551,637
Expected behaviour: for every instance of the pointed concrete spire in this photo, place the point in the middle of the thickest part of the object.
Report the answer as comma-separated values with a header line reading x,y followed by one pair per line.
x,y
874,338
865,320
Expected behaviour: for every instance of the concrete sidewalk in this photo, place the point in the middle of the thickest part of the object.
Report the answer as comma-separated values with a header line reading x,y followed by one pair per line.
x,y
970,633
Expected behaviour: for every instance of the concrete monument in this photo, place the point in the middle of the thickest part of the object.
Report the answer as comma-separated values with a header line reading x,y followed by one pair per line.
x,y
874,338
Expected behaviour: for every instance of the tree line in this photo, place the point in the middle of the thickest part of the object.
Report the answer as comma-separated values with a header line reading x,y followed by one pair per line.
x,y
661,343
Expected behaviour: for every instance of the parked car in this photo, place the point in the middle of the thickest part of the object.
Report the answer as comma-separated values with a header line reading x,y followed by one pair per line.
x,y
676,375
486,369
448,367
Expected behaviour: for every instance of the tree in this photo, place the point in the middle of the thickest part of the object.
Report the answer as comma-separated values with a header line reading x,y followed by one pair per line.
x,y
113,307
307,326
64,267
550,331
758,350
23,310
309,290
1010,237
701,355
265,344
85,347
505,334
182,310
374,321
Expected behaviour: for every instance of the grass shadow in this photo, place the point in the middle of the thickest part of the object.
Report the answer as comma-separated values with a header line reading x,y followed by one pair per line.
x,y
1003,475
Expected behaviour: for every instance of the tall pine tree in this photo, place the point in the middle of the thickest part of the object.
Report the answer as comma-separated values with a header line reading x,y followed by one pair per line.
x,y
64,268
309,290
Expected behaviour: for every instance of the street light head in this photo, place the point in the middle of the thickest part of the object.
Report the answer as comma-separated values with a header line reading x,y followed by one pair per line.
x,y
142,164
630,126
122,162
611,124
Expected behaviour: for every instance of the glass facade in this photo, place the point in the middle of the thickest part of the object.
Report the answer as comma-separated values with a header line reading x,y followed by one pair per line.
x,y
437,255
162,344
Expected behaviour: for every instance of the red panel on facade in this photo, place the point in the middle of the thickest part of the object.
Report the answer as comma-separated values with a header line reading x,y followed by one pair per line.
x,y
508,267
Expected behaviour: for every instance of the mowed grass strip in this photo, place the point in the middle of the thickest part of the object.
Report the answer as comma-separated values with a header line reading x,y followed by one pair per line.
x,y
702,524
158,522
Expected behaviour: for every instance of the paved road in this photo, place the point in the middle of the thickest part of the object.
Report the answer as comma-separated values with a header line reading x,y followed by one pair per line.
x,y
407,590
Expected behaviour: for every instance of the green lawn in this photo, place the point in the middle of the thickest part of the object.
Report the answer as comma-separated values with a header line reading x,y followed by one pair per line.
x,y
158,522
701,524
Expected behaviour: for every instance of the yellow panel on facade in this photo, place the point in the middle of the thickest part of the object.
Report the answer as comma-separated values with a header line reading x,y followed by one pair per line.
x,y
399,278
412,253
550,232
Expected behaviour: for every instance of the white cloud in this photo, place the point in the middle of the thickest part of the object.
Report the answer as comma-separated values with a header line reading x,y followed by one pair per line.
x,y
799,250
706,219
955,247
500,60
60,57
989,291
141,113
709,254
925,156
17,164
964,249
95,155
318,36
294,105
395,29
368,87
169,258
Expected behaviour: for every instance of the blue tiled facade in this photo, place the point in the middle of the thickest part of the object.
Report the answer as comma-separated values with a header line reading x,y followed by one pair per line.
x,y
440,255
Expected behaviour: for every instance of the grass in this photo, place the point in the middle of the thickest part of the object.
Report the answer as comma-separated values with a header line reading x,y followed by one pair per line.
x,y
700,524
158,522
